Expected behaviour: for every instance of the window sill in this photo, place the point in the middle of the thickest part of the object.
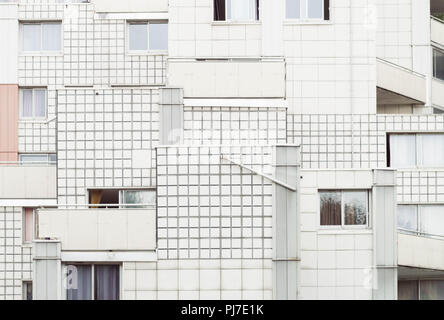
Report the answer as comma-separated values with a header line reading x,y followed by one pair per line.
x,y
41,54
307,22
33,121
233,23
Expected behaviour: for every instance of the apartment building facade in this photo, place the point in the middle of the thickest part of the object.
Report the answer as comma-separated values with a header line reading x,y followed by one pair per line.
x,y
221,149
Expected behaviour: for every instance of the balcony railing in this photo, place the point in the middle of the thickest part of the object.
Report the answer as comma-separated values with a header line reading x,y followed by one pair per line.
x,y
125,228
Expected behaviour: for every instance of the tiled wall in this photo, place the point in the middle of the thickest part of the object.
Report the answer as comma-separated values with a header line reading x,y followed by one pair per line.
x,y
420,186
234,279
331,66
101,135
209,208
394,31
15,259
234,125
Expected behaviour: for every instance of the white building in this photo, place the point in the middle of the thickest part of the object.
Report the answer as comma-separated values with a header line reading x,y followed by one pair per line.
x,y
221,149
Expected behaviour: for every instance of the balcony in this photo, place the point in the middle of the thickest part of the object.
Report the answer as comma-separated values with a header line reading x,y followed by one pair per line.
x,y
420,251
27,181
398,85
229,78
120,229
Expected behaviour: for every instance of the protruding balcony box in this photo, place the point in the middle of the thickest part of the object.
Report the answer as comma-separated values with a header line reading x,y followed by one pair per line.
x,y
228,79
99,229
28,181
420,252
403,82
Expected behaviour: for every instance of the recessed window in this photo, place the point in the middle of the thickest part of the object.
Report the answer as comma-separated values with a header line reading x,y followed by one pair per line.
x,y
93,282
344,208
438,64
236,10
416,150
38,158
33,103
41,37
423,220
308,9
421,290
114,198
147,36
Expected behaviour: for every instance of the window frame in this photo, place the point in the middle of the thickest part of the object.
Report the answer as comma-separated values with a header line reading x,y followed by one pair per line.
x,y
418,154
21,101
24,226
121,193
148,51
419,232
441,51
41,51
304,18
257,18
92,265
344,226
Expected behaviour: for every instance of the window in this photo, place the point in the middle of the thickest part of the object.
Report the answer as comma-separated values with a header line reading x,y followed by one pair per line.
x,y
421,290
33,103
236,10
34,158
28,225
148,36
438,64
42,37
114,198
93,282
344,208
308,9
27,290
425,220
416,150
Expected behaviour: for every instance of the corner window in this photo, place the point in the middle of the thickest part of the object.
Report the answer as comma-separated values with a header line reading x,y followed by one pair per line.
x,y
147,36
93,282
308,9
416,150
236,10
438,64
344,208
33,103
41,37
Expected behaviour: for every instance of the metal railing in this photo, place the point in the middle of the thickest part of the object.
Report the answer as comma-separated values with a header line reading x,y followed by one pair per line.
x,y
100,206
419,233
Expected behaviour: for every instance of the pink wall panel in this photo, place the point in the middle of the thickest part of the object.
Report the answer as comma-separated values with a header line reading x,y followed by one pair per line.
x,y
8,122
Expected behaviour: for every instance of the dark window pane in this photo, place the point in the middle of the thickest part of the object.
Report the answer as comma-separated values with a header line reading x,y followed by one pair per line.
x,y
106,285
438,64
79,282
330,208
408,290
432,290
326,9
219,10
355,207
